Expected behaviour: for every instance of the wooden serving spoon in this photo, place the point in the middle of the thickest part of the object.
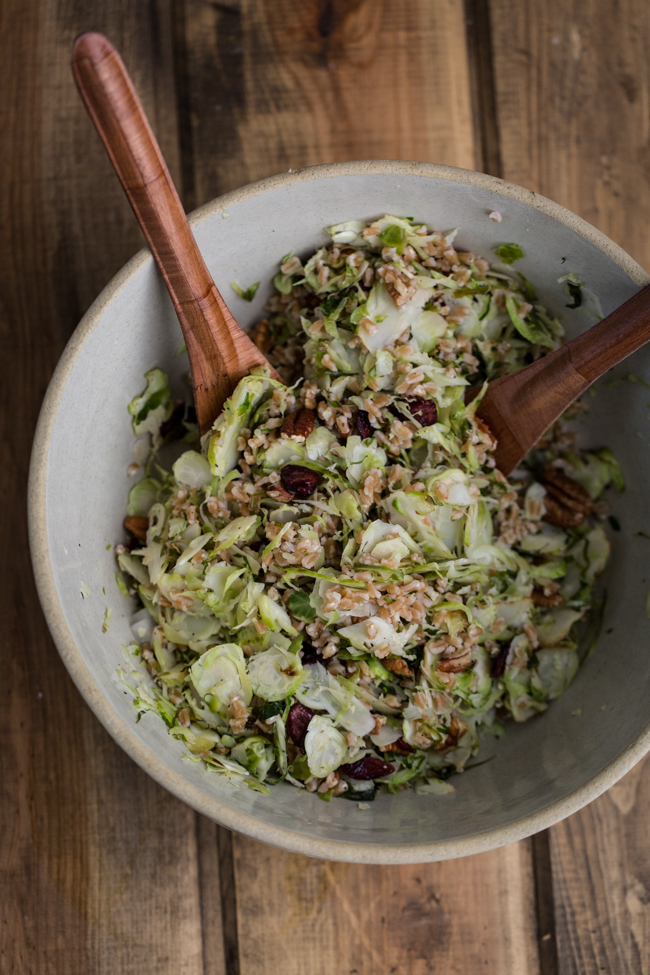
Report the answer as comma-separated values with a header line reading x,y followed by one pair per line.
x,y
219,351
520,408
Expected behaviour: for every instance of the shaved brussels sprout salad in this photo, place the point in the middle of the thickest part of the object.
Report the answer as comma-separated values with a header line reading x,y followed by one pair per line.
x,y
337,587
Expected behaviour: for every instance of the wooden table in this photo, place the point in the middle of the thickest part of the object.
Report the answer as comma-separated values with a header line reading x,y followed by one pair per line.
x,y
102,871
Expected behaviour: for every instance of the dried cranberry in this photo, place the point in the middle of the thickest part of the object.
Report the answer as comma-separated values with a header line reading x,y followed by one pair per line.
x,y
310,655
423,410
175,419
499,662
299,481
297,723
362,423
367,768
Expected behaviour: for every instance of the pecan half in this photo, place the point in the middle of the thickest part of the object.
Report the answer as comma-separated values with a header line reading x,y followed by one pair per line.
x,y
298,425
398,666
540,598
299,481
567,503
455,665
137,526
457,729
400,746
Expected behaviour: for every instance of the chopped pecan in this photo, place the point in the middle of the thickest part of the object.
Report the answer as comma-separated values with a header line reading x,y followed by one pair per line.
x,y
457,729
278,493
567,503
400,746
541,599
398,666
298,425
137,526
454,665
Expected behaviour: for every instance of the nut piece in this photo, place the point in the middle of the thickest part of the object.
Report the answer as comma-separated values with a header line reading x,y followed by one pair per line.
x,y
137,526
297,426
299,481
457,729
455,665
400,746
567,503
540,598
398,666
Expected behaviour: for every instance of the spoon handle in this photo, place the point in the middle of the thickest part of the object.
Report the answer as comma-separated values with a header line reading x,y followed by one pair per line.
x,y
609,342
519,408
220,353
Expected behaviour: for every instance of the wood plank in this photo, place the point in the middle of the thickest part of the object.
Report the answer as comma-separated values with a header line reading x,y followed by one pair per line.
x,y
572,104
601,867
573,89
99,865
267,85
274,85
461,916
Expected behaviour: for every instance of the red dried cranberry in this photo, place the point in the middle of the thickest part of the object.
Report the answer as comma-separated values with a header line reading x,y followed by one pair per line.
x,y
299,481
499,662
175,419
367,768
310,655
423,410
297,723
363,425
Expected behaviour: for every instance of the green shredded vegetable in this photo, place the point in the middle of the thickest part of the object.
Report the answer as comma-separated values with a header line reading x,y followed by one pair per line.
x,y
341,591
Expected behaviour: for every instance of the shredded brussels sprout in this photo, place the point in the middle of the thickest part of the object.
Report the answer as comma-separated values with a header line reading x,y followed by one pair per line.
x,y
340,589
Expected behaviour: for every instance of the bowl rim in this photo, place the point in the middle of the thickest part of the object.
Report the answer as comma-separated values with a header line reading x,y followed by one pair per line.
x,y
122,733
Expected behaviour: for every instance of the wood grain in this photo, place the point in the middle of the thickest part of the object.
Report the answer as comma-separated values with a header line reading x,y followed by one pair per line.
x,y
573,88
462,916
274,84
99,865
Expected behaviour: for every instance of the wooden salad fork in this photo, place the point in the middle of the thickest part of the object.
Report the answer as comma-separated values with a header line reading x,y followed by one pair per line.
x,y
520,408
219,351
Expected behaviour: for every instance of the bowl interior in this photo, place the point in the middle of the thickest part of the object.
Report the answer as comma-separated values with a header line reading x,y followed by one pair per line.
x,y
541,770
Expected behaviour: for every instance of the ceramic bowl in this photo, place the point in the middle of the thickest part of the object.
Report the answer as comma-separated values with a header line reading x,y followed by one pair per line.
x,y
542,770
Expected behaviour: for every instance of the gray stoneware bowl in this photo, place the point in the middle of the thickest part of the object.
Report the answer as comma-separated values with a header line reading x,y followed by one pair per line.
x,y
543,770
